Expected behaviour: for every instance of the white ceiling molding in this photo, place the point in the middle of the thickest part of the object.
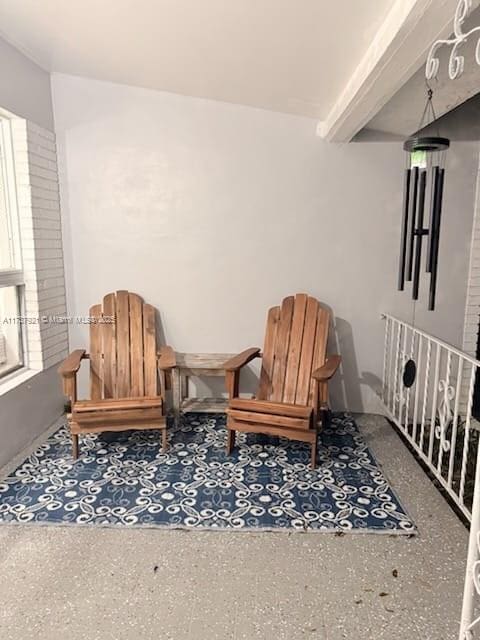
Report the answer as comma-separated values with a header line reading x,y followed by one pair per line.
x,y
397,51
402,114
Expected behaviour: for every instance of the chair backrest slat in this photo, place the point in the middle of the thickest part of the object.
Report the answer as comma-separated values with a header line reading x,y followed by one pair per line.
x,y
320,350
281,349
96,360
308,346
109,337
268,354
295,350
123,355
149,351
123,345
295,345
136,344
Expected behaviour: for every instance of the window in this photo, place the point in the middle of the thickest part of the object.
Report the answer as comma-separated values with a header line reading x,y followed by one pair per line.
x,y
32,283
11,273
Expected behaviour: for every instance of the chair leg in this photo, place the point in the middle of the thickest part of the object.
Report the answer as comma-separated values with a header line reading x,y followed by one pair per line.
x,y
74,446
313,460
164,440
326,417
230,440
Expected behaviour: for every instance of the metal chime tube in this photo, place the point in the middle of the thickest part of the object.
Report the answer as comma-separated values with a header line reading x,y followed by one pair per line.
x,y
403,238
435,238
412,220
433,206
419,231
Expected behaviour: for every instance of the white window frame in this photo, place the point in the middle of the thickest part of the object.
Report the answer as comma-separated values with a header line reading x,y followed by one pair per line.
x,y
13,275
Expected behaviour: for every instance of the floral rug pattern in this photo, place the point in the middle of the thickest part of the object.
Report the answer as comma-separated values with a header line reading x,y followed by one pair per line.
x,y
124,480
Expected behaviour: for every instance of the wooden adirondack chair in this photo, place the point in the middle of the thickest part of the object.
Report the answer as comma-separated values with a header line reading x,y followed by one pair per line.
x,y
127,374
294,375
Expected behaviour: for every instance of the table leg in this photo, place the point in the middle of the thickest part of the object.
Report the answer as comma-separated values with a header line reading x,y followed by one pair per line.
x,y
184,386
176,394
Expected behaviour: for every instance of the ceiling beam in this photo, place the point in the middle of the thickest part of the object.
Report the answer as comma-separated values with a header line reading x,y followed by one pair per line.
x,y
399,48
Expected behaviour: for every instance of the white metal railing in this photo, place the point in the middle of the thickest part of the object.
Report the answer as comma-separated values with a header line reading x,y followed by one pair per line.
x,y
434,414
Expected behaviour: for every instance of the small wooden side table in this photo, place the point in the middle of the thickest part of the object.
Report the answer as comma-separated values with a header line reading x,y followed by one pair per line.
x,y
197,364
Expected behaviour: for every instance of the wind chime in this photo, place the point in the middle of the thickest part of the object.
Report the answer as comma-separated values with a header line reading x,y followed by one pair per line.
x,y
423,192
425,179
425,170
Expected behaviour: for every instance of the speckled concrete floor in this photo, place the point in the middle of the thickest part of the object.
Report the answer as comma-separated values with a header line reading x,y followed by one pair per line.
x,y
61,583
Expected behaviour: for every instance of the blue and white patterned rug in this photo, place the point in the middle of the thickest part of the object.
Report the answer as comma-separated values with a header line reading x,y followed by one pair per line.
x,y
123,479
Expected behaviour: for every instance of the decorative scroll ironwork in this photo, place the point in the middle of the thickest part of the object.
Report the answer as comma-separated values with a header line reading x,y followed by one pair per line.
x,y
442,398
445,413
456,61
437,408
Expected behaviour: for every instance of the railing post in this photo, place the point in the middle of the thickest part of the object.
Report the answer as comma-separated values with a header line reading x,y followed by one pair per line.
x,y
469,590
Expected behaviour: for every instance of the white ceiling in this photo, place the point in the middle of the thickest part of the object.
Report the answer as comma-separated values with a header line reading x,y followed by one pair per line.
x,y
293,56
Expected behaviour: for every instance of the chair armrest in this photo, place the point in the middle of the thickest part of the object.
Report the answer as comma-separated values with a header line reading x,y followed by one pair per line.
x,y
166,358
240,360
71,364
328,370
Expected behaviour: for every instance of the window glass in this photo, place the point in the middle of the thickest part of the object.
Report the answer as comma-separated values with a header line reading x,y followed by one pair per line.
x,y
11,356
11,276
6,238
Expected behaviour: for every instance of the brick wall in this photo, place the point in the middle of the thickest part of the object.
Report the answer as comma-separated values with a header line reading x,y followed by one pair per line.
x,y
472,307
41,238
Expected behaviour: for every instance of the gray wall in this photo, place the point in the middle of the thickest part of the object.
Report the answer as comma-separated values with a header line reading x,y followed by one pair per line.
x,y
27,411
31,407
214,212
24,87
